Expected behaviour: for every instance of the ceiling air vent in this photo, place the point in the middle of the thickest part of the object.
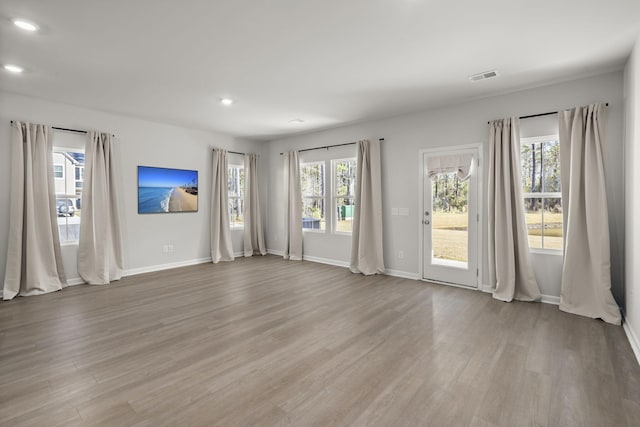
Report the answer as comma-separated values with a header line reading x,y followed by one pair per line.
x,y
483,76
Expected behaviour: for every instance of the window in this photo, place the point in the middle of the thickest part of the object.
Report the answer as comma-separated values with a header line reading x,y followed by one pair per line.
x,y
235,185
450,220
313,196
328,195
68,194
540,158
58,171
79,178
344,176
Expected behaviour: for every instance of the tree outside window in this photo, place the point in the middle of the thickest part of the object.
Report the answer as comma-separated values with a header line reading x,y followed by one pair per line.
x,y
541,189
344,195
235,186
313,196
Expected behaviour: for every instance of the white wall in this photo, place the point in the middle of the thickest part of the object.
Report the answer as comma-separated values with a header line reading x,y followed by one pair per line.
x,y
139,142
450,126
632,197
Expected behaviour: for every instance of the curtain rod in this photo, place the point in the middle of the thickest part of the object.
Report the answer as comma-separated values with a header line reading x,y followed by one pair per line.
x,y
68,130
543,114
236,152
326,147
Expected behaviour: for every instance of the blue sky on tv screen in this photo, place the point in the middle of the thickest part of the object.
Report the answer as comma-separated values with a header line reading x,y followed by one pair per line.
x,y
163,177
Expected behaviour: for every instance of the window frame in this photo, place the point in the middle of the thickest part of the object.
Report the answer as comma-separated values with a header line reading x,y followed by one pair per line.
x,y
542,195
62,167
239,197
322,198
66,196
335,196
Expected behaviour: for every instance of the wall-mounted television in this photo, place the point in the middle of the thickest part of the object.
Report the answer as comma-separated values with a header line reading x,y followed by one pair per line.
x,y
163,190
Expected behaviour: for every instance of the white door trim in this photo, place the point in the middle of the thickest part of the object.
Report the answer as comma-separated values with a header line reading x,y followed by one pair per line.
x,y
480,239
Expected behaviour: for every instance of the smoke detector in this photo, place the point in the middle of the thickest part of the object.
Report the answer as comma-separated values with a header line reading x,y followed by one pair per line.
x,y
483,76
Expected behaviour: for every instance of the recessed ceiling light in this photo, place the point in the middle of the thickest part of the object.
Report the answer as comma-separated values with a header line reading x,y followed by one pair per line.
x,y
226,101
25,25
296,121
13,68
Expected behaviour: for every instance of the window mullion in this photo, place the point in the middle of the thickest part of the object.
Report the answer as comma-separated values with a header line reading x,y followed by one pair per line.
x,y
327,194
542,225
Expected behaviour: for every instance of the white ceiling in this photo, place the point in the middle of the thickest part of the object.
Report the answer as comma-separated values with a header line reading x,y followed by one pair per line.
x,y
329,62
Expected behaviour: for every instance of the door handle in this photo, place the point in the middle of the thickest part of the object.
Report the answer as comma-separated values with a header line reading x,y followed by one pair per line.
x,y
425,221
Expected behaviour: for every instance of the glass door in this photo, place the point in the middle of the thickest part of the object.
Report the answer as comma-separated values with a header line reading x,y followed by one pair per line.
x,y
450,217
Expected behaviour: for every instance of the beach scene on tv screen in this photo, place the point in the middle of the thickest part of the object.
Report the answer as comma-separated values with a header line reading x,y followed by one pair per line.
x,y
167,190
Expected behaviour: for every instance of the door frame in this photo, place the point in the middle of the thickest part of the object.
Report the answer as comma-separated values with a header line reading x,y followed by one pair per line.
x,y
421,202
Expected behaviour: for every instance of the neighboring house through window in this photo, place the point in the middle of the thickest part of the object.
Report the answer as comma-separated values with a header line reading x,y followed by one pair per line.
x,y
540,159
79,178
58,171
68,167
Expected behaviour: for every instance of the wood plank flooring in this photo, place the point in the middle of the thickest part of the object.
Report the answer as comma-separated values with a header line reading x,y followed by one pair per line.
x,y
262,341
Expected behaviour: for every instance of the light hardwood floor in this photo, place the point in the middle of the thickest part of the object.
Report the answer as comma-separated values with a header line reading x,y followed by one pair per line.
x,y
262,341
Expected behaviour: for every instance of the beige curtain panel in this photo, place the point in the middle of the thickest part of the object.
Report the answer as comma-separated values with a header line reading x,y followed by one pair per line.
x,y
366,238
586,272
34,262
510,269
293,207
460,164
100,255
253,231
221,248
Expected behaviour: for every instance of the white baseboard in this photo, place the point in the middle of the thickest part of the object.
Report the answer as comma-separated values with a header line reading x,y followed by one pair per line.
x,y
401,274
345,264
281,253
327,261
160,267
547,299
550,299
485,288
633,340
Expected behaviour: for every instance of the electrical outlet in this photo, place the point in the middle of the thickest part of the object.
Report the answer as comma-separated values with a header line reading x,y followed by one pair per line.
x,y
401,254
167,248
